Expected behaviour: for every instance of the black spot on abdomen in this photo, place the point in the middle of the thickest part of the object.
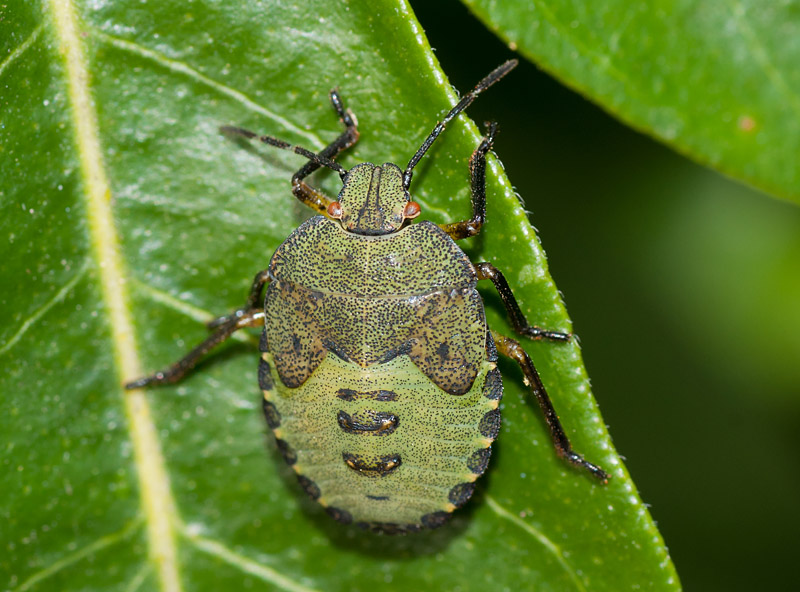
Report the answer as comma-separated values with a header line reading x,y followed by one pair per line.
x,y
490,424
288,453
351,395
372,467
272,415
309,487
461,493
342,516
479,460
493,387
435,519
265,381
368,422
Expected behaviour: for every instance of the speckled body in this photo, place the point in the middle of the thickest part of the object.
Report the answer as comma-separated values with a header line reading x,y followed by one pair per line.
x,y
377,367
378,372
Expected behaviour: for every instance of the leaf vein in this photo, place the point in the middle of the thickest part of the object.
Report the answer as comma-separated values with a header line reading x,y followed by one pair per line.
x,y
539,536
74,557
38,314
773,74
155,494
600,59
180,67
139,578
21,48
193,312
245,564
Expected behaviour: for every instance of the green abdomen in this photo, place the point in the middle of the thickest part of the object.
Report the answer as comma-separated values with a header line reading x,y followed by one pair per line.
x,y
382,445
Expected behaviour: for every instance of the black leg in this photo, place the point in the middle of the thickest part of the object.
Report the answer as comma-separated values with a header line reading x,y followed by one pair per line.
x,y
510,348
345,140
252,318
310,196
487,271
477,169
303,191
254,300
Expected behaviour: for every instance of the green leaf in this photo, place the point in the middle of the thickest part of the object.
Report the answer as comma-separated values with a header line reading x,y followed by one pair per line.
x,y
717,81
130,220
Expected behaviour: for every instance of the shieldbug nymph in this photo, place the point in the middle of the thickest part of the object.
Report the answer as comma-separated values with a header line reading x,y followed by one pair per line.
x,y
377,365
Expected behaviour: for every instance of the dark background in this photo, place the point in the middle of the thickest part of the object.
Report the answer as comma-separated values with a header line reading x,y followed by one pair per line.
x,y
684,287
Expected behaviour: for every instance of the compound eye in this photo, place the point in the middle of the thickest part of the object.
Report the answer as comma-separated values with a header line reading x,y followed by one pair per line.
x,y
411,210
335,210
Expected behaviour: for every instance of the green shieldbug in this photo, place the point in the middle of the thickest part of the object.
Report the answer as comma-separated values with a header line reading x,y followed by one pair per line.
x,y
377,366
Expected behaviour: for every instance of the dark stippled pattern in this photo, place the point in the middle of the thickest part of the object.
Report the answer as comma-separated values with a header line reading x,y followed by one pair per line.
x,y
383,372
413,476
414,290
373,199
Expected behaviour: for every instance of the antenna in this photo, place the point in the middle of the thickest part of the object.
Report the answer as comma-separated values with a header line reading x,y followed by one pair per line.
x,y
465,102
320,160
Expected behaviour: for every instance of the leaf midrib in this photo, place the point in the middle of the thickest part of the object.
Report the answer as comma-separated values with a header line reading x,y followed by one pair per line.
x,y
156,496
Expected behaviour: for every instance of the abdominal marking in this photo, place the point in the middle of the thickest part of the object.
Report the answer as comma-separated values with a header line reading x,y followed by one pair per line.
x,y
373,423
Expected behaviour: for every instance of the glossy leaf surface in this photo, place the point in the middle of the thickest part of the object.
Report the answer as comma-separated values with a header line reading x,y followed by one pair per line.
x,y
130,221
717,81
